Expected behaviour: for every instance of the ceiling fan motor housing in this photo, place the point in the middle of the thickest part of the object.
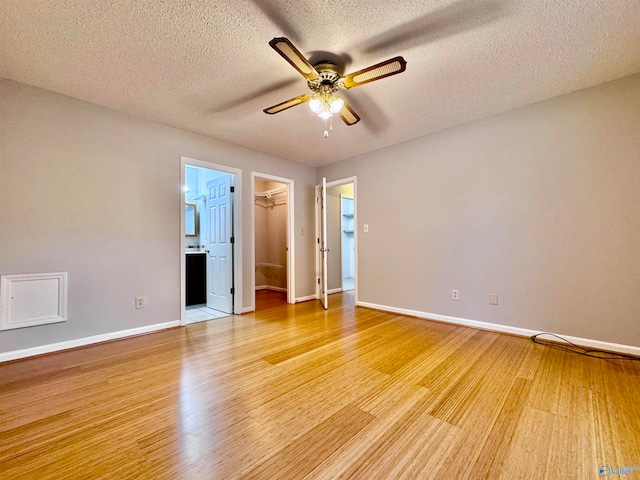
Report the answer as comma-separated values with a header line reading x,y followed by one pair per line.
x,y
329,76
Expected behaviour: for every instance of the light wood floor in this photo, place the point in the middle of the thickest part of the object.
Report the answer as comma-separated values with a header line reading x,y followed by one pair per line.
x,y
270,298
295,392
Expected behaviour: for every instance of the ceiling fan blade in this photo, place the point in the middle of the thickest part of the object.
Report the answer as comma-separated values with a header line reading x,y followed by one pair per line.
x,y
291,54
375,72
292,102
347,115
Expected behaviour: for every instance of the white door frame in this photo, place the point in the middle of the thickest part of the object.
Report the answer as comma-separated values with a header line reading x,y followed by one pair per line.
x,y
337,183
291,280
237,227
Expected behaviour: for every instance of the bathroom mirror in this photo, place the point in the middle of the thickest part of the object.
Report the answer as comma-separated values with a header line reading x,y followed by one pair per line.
x,y
190,220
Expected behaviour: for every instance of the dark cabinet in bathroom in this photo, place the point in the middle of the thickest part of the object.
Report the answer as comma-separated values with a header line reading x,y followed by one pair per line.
x,y
196,281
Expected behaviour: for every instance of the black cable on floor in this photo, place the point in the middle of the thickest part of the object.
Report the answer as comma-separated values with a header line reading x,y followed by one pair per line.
x,y
602,354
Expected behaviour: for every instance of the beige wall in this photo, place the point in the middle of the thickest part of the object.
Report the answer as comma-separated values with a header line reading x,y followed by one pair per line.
x,y
96,193
540,205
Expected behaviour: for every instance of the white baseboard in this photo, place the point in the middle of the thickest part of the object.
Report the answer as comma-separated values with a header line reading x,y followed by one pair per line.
x,y
81,342
306,299
247,310
269,287
334,290
495,327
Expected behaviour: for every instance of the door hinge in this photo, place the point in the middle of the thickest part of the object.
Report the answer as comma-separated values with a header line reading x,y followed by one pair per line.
x,y
233,290
233,239
232,189
318,240
318,281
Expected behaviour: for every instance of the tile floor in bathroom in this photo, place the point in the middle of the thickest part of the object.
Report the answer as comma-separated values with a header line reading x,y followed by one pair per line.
x,y
201,313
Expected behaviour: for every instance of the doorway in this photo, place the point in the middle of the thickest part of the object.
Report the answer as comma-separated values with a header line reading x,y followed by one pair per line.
x,y
273,259
348,248
210,241
336,224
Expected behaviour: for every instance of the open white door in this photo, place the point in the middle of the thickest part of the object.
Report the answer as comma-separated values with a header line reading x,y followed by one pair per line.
x,y
321,213
219,246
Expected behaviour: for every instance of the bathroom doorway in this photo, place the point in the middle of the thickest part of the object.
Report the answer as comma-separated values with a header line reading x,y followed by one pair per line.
x,y
209,241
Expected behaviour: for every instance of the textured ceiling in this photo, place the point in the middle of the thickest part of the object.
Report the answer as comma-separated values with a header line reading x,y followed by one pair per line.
x,y
206,66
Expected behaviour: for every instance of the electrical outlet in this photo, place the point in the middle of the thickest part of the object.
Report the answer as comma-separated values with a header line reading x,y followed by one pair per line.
x,y
140,301
455,295
493,299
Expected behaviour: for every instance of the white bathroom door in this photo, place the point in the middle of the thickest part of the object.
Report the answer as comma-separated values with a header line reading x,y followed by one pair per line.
x,y
219,246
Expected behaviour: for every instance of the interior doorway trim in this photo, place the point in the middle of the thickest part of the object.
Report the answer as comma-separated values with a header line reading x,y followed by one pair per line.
x,y
337,183
291,280
237,233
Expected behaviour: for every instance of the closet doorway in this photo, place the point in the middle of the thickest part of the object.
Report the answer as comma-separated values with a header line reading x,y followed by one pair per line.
x,y
272,240
342,238
348,247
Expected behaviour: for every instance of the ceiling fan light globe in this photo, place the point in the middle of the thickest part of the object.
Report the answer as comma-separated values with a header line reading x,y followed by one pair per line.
x,y
316,106
335,104
324,115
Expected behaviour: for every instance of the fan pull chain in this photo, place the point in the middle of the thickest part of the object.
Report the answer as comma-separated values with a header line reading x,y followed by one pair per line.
x,y
326,132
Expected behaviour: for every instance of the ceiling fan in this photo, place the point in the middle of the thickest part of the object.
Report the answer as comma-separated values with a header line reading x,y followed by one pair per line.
x,y
325,78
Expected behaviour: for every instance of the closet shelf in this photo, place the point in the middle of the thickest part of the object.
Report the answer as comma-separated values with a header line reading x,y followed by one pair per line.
x,y
270,193
270,265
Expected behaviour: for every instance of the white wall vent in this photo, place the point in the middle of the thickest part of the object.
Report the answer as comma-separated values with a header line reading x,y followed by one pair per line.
x,y
32,299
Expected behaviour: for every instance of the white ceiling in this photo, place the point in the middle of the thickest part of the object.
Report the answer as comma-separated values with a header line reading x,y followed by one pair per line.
x,y
206,66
